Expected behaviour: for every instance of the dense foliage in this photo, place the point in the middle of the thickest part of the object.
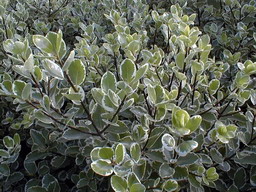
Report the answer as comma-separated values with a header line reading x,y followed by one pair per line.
x,y
129,95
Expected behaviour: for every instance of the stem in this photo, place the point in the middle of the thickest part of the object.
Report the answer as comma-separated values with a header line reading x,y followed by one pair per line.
x,y
194,88
115,63
117,111
171,81
151,126
56,120
83,105
37,85
253,121
158,76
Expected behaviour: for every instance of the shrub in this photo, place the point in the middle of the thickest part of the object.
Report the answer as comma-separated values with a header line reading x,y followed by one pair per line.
x,y
128,98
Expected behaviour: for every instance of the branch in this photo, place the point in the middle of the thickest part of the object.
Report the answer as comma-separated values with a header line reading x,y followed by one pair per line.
x,y
117,111
58,121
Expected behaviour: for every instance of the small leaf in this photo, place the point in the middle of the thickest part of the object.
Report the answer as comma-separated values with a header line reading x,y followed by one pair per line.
x,y
240,178
135,152
151,94
53,69
29,64
106,153
4,153
120,153
193,123
36,189
108,81
76,71
214,86
74,96
42,43
189,159
18,87
128,70
168,142
211,174
68,61
166,171
37,138
102,167
132,179
8,142
170,185
180,118
141,72
137,187
26,92
185,147
71,134
180,60
118,184
39,115
21,70
4,169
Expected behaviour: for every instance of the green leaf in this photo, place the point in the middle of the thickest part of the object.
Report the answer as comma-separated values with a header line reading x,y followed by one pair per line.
x,y
211,174
214,86
118,184
170,185
180,173
128,70
76,71
132,179
42,43
59,46
193,123
53,69
2,11
120,153
108,105
141,72
216,155
21,70
71,134
4,169
240,178
189,159
106,153
38,73
180,60
97,94
108,81
166,171
180,118
38,138
36,189
29,64
4,153
8,142
137,187
68,60
135,152
102,167
26,92
247,160
16,139
151,94
39,115
74,96
18,87
168,142
185,147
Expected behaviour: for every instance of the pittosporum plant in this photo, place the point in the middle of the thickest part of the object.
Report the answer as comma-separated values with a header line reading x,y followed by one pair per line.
x,y
134,103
